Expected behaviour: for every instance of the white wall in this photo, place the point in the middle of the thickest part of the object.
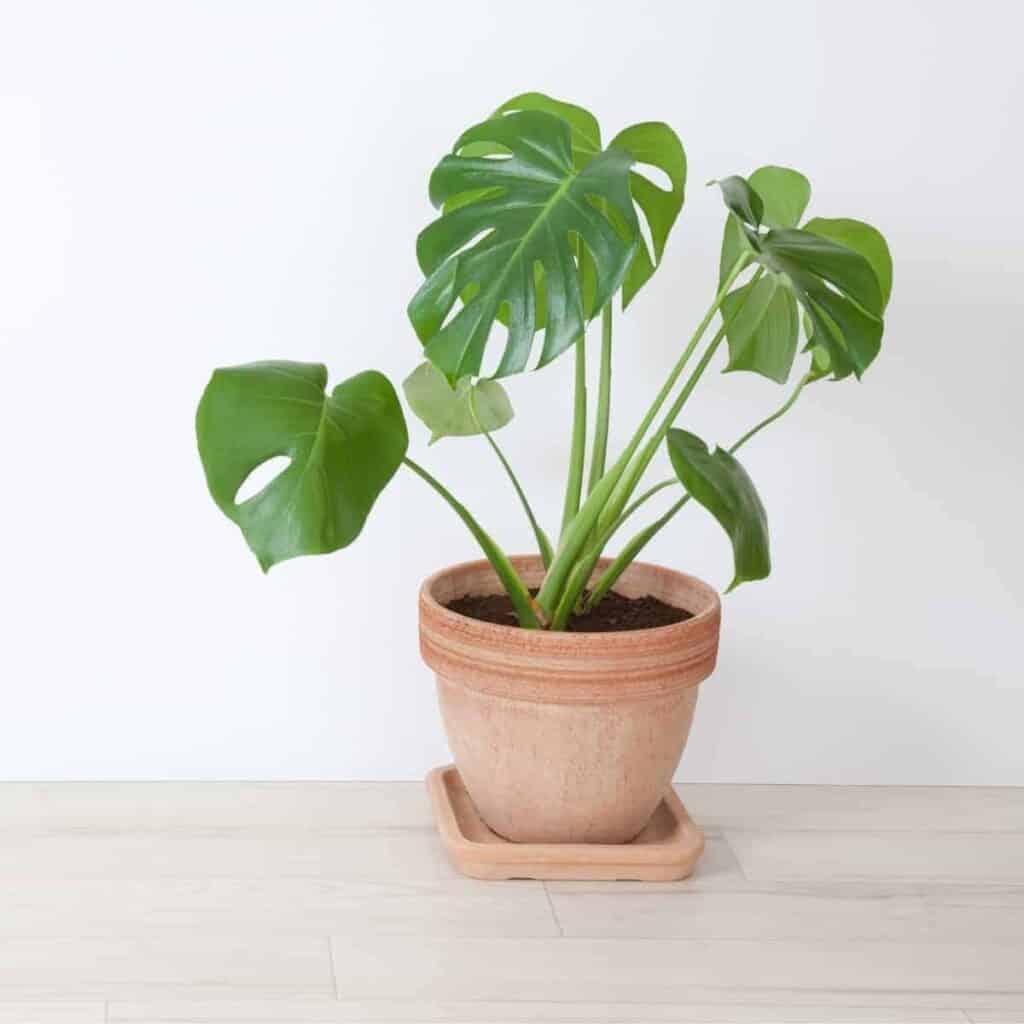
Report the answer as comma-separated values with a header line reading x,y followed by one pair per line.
x,y
189,185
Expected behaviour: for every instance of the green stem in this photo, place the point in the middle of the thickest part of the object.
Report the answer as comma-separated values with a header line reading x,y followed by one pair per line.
x,y
575,536
543,544
510,580
577,456
604,401
626,556
781,411
611,575
646,496
584,568
630,480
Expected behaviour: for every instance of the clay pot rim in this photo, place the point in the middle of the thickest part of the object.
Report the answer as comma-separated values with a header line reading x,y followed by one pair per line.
x,y
490,631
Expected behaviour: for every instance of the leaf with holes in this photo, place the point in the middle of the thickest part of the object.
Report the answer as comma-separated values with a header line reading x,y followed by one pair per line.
x,y
583,126
343,449
461,411
839,287
861,238
529,208
586,144
718,482
655,144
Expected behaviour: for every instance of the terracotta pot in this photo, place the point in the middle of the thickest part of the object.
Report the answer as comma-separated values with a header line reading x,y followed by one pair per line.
x,y
567,737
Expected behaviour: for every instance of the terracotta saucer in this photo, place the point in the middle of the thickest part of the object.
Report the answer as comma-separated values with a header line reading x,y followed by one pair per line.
x,y
667,848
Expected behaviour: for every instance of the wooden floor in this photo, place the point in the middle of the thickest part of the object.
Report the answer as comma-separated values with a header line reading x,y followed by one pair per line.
x,y
328,902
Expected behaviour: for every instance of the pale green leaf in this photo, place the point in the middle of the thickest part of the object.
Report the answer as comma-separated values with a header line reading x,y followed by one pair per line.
x,y
464,410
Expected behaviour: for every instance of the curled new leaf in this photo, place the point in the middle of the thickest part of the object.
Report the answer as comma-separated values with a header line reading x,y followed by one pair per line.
x,y
741,199
343,449
461,411
527,208
784,194
718,482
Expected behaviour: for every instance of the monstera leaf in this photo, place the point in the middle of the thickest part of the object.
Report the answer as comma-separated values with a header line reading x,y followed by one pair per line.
x,y
839,287
460,411
583,126
585,133
838,290
344,448
866,240
722,486
762,322
652,143
530,207
861,238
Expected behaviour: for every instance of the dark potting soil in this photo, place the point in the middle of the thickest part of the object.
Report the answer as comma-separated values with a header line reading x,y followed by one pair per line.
x,y
613,614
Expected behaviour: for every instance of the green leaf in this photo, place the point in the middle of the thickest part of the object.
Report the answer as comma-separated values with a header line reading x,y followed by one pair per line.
x,y
586,132
722,486
861,238
741,199
762,328
653,143
544,205
463,411
785,194
839,291
586,144
344,448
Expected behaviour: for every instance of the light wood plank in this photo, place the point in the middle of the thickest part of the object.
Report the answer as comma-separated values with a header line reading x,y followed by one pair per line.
x,y
992,859
856,808
178,807
834,912
989,1016
455,907
52,1013
372,856
232,1012
145,965
340,806
675,970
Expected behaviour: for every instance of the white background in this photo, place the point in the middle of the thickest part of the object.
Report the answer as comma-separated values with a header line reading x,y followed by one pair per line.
x,y
187,185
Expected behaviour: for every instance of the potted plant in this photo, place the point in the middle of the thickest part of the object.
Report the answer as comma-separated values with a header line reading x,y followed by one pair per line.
x,y
567,678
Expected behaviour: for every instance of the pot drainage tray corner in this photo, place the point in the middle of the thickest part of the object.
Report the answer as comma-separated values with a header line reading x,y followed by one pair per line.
x,y
667,849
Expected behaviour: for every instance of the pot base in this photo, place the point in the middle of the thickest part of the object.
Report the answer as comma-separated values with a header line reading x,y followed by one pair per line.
x,y
667,849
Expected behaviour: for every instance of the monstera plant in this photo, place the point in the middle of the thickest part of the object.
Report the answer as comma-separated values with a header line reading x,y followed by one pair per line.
x,y
540,228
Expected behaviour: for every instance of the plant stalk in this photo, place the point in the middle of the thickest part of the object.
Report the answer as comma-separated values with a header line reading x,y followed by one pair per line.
x,y
543,544
630,480
577,456
575,535
604,402
633,548
520,597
